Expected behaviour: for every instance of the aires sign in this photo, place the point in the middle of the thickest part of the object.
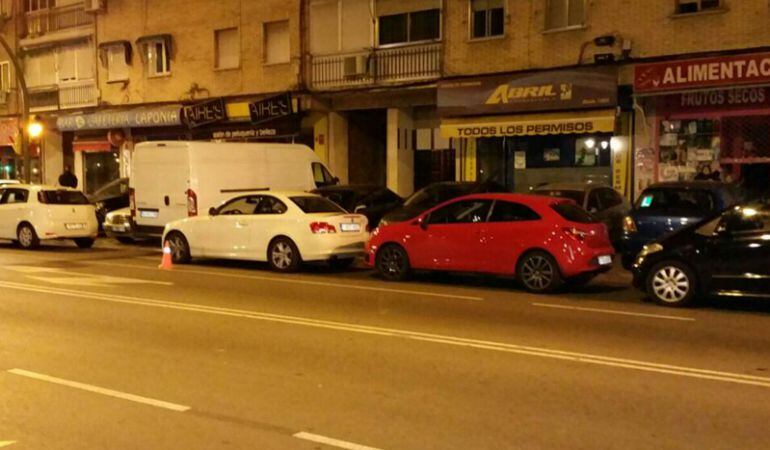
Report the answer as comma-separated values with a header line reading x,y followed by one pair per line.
x,y
271,108
581,88
205,113
704,72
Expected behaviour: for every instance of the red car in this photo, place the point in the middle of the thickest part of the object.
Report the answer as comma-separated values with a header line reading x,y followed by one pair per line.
x,y
543,241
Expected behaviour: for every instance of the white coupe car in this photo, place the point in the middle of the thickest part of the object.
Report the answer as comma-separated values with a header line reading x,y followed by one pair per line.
x,y
282,228
31,214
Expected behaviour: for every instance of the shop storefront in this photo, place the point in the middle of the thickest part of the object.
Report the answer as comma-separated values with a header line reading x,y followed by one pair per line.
x,y
523,130
711,119
11,160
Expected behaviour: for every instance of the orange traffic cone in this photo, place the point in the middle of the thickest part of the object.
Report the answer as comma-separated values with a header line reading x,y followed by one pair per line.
x,y
167,262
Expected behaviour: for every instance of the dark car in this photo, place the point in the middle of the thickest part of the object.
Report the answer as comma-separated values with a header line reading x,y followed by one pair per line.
x,y
727,254
371,201
667,207
435,194
110,197
603,202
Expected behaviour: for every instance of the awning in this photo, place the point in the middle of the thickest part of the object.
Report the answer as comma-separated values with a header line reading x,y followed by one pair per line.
x,y
91,146
584,122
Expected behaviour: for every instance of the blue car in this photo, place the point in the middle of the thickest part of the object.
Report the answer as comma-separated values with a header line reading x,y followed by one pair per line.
x,y
667,207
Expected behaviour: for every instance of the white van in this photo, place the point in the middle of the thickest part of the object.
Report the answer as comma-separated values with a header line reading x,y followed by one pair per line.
x,y
177,179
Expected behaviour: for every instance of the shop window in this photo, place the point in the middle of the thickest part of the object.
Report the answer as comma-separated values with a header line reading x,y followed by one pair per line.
x,y
694,6
410,27
564,14
5,77
487,18
277,43
228,48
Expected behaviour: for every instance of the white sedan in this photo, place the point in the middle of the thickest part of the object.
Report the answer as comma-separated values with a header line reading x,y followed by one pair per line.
x,y
282,228
31,214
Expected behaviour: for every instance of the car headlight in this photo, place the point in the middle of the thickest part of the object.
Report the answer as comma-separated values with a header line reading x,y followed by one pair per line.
x,y
650,249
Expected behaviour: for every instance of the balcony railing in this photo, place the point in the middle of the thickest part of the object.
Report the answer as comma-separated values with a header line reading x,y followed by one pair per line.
x,y
55,19
69,95
394,65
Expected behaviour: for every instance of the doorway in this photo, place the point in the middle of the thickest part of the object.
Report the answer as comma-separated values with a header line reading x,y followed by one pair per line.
x,y
100,168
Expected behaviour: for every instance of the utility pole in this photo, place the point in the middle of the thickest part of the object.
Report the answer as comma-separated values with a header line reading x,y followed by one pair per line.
x,y
24,103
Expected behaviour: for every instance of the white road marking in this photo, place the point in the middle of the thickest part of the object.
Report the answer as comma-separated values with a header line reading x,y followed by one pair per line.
x,y
100,390
614,311
6,443
295,280
331,441
68,277
586,358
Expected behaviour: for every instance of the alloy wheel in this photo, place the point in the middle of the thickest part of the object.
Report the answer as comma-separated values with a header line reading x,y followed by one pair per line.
x,y
537,273
25,237
671,284
282,255
393,262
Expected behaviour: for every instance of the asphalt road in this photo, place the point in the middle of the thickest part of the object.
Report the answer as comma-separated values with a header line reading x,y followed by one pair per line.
x,y
99,349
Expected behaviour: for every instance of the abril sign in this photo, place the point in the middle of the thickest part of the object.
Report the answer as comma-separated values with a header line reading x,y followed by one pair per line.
x,y
205,113
271,108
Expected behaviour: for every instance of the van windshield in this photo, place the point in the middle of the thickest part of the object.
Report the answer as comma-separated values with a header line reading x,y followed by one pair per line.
x,y
311,205
62,197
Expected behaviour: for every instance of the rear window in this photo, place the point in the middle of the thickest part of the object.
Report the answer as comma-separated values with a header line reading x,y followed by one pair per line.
x,y
696,202
312,205
573,213
62,198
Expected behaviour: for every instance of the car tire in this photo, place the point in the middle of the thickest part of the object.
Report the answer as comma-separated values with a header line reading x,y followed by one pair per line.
x,y
539,273
392,263
341,263
26,237
125,240
84,242
283,255
672,283
180,248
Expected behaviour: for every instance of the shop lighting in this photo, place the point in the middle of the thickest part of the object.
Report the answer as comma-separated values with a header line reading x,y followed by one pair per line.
x,y
605,145
590,144
616,144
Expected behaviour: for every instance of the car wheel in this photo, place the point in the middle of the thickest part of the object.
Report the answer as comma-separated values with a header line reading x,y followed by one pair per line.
x,y
283,255
539,273
672,283
125,240
27,237
393,263
84,242
341,263
180,249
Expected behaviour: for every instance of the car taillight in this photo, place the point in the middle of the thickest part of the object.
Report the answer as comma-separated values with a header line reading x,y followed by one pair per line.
x,y
192,203
132,201
629,226
322,228
576,234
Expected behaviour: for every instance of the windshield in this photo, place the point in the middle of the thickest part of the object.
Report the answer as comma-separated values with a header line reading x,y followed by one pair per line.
x,y
577,196
433,195
113,189
681,201
62,197
311,205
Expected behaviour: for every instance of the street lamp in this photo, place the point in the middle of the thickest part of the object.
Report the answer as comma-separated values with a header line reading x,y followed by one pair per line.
x,y
35,128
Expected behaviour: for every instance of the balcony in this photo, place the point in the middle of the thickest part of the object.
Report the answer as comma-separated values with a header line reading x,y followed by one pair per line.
x,y
68,95
57,19
382,66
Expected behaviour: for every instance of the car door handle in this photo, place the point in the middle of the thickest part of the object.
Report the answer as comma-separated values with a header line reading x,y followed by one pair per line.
x,y
240,224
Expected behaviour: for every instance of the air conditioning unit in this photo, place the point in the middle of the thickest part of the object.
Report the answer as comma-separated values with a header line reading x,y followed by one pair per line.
x,y
95,6
356,66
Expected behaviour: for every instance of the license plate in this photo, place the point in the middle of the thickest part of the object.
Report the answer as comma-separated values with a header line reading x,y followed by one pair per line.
x,y
605,260
119,228
74,226
149,214
350,227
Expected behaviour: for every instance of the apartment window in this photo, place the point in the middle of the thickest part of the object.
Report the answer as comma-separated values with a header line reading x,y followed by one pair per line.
x,y
6,7
487,18
410,27
117,62
564,14
228,48
5,76
37,5
277,49
157,52
75,62
694,6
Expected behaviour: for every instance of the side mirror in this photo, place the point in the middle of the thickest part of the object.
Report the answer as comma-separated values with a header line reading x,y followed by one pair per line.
x,y
212,211
359,209
422,222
